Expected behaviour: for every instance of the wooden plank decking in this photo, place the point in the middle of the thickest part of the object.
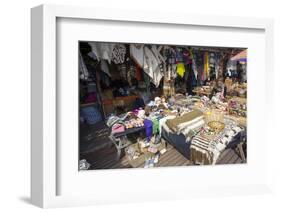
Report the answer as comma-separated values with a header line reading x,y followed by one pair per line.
x,y
106,159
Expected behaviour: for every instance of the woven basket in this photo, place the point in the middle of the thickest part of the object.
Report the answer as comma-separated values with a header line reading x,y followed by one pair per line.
x,y
213,115
215,120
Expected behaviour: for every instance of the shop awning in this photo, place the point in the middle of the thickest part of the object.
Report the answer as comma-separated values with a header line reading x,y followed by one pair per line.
x,y
242,56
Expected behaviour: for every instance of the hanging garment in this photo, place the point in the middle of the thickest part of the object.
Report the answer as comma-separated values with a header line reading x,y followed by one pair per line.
x,y
153,69
102,50
206,65
173,71
212,65
151,61
199,60
168,82
187,58
231,68
122,71
194,67
138,72
104,67
156,52
93,56
159,57
212,59
146,81
84,74
104,78
179,56
217,59
131,73
118,53
169,55
191,81
244,73
137,54
180,69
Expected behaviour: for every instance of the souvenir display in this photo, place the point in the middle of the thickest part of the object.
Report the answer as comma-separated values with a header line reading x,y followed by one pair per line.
x,y
146,105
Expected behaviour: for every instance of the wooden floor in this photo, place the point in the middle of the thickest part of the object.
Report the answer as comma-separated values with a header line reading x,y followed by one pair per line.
x,y
106,159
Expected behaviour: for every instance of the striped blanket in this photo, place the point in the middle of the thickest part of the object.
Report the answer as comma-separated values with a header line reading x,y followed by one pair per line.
x,y
186,122
206,149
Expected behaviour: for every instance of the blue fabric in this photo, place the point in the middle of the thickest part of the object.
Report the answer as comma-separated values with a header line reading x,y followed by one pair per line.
x,y
178,141
148,128
91,115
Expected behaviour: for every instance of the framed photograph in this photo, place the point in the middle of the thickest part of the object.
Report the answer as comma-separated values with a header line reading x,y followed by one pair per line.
x,y
152,106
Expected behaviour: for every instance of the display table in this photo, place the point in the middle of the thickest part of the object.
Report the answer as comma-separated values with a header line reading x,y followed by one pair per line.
x,y
121,141
183,146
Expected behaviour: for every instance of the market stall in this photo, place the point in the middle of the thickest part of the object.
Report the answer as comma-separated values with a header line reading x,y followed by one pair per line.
x,y
154,96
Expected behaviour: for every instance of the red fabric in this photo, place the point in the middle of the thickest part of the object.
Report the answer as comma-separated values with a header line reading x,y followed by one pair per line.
x,y
138,72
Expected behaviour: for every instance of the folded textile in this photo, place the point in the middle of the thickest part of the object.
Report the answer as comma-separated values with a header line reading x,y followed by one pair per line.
x,y
117,128
199,152
162,123
177,124
195,121
185,131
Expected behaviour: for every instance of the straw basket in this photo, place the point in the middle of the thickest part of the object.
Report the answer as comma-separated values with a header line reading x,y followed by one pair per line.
x,y
214,119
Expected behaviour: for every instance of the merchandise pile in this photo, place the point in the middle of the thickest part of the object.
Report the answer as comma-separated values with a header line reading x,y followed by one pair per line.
x,y
209,124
